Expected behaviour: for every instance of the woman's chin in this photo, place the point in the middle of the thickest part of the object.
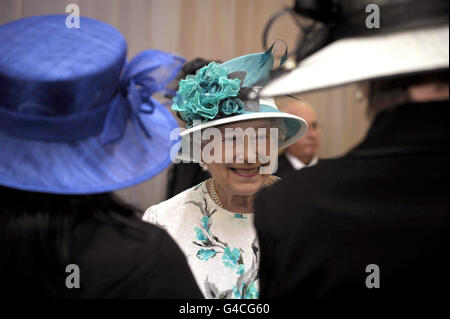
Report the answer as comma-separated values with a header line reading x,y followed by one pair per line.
x,y
247,186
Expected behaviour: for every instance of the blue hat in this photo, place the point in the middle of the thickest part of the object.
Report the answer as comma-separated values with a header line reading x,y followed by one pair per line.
x,y
224,93
74,117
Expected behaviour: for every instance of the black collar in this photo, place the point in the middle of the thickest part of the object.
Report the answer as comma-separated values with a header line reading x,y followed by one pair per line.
x,y
407,128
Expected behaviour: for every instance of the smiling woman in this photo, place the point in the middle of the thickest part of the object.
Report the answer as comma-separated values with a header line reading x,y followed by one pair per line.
x,y
237,136
246,149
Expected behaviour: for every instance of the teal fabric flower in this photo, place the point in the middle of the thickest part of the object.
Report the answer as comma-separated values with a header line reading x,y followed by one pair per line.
x,y
231,106
207,94
205,254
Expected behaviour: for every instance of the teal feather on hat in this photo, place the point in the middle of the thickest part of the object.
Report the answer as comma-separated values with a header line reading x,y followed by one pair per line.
x,y
257,67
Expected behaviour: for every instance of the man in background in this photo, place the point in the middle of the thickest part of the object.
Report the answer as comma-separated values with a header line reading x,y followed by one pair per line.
x,y
303,153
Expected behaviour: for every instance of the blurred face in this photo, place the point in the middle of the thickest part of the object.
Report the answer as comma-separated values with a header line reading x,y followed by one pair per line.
x,y
238,171
308,145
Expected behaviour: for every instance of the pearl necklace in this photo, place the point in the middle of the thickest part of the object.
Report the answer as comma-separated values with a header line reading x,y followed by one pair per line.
x,y
212,192
211,187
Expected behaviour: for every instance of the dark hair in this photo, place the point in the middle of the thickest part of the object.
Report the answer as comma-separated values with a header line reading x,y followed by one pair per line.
x,y
35,237
388,92
191,67
404,82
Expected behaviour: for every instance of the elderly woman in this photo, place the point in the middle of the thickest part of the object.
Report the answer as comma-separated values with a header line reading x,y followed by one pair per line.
x,y
237,136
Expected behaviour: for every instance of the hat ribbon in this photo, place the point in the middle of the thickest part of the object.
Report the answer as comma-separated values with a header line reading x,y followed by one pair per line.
x,y
146,74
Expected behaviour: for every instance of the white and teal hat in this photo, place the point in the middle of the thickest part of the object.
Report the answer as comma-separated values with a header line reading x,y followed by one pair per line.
x,y
226,93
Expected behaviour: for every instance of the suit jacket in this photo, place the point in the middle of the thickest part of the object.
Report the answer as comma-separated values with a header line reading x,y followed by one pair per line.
x,y
385,203
183,176
284,167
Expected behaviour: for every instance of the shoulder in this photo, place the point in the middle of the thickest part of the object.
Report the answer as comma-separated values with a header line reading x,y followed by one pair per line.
x,y
129,235
298,194
131,250
110,232
308,179
172,205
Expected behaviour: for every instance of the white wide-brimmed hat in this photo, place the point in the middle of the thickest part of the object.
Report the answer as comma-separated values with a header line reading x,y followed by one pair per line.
x,y
413,37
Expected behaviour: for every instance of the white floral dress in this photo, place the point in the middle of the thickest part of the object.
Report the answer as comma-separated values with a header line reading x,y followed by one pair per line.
x,y
221,247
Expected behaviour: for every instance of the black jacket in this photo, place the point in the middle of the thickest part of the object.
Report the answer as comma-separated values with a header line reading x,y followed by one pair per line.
x,y
183,176
284,168
110,252
140,261
384,203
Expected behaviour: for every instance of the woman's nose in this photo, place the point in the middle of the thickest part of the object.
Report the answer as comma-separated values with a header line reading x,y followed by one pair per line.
x,y
247,151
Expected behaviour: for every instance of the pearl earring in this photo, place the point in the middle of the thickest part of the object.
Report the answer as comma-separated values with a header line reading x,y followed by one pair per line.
x,y
359,95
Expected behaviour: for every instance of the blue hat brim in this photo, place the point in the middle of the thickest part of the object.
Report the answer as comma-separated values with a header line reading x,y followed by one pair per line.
x,y
88,166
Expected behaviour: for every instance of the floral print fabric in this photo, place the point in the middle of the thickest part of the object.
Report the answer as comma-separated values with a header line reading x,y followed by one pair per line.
x,y
221,246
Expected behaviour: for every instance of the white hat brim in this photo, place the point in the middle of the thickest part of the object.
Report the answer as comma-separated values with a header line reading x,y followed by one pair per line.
x,y
363,58
249,117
